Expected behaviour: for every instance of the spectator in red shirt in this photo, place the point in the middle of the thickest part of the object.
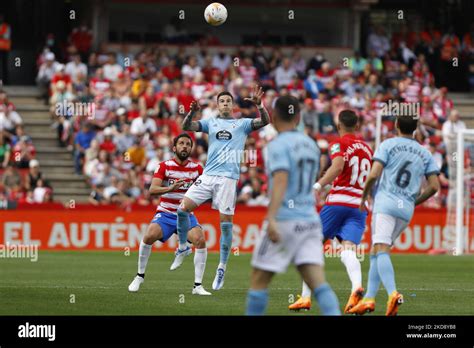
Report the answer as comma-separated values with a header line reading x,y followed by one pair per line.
x,y
99,84
184,99
61,75
108,143
171,71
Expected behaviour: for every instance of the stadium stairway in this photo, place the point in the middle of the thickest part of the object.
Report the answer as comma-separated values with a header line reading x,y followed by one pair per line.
x,y
56,162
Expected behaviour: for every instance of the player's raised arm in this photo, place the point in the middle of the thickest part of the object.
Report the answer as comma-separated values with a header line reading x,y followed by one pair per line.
x,y
188,124
375,173
256,99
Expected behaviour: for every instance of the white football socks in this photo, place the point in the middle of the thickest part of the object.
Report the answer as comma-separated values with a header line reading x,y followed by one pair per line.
x,y
349,259
200,258
306,292
143,255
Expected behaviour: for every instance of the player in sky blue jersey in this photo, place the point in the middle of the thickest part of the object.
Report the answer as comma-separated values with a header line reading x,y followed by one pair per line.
x,y
227,137
293,232
400,163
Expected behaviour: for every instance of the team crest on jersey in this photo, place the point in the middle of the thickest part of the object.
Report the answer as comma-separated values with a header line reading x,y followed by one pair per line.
x,y
223,135
335,149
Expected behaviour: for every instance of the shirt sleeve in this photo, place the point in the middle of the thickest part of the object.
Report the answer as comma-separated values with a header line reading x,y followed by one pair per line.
x,y
160,172
431,167
200,169
335,150
381,154
277,158
204,126
247,124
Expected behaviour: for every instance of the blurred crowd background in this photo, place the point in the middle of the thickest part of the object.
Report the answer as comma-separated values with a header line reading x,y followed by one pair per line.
x,y
136,102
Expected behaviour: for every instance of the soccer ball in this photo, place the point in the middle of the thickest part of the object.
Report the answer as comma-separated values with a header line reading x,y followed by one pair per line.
x,y
215,14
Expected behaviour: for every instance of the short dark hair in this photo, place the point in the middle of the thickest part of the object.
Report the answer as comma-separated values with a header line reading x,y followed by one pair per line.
x,y
182,135
287,107
407,124
348,118
225,93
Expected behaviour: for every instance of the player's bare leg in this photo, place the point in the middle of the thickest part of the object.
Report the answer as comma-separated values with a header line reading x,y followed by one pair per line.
x,y
257,296
196,236
313,276
182,225
352,264
153,233
225,249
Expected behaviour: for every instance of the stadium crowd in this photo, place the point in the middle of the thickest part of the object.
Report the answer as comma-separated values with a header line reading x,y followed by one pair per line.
x,y
126,108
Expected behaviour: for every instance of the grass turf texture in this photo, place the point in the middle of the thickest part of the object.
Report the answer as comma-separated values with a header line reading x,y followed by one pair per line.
x,y
432,285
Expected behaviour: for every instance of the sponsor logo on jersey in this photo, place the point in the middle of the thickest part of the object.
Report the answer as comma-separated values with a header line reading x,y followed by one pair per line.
x,y
223,135
335,149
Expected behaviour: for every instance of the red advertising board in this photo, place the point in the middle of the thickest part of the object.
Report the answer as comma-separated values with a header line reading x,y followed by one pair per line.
x,y
107,228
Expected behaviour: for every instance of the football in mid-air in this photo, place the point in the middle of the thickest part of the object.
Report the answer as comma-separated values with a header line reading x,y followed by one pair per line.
x,y
215,14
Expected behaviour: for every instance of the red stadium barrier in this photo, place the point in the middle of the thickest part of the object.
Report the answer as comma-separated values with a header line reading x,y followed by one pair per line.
x,y
87,227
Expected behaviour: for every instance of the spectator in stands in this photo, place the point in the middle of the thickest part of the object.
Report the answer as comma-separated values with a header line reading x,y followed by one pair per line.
x,y
11,179
378,42
4,151
191,69
23,153
9,119
76,69
112,69
136,154
107,143
310,118
82,143
60,76
34,174
143,124
284,74
45,74
221,61
42,193
316,61
357,63
97,195
450,129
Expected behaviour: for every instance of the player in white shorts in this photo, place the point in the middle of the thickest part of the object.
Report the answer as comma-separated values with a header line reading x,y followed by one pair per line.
x,y
293,232
227,137
400,163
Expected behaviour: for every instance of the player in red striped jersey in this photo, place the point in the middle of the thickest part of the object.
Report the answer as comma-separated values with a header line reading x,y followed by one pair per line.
x,y
171,180
341,218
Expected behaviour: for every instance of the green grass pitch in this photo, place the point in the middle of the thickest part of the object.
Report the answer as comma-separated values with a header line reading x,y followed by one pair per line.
x,y
432,285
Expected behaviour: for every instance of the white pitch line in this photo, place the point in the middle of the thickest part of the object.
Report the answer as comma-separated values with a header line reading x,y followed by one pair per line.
x,y
160,288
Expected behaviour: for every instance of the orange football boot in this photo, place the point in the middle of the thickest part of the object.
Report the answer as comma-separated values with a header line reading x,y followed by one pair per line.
x,y
303,303
394,301
366,305
354,299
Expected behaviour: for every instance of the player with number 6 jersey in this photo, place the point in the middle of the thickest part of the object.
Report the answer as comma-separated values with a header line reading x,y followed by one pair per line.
x,y
351,162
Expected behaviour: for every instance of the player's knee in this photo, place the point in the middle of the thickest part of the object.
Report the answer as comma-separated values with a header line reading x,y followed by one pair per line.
x,y
151,236
182,211
199,242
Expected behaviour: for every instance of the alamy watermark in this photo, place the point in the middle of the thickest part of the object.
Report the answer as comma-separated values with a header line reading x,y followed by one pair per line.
x,y
68,108
397,109
334,249
238,156
22,251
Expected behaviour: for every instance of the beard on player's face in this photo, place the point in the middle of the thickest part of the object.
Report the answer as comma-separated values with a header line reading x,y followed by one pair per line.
x,y
183,155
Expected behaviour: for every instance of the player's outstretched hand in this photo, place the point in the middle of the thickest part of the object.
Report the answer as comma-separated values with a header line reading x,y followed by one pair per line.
x,y
177,184
272,230
194,106
256,95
